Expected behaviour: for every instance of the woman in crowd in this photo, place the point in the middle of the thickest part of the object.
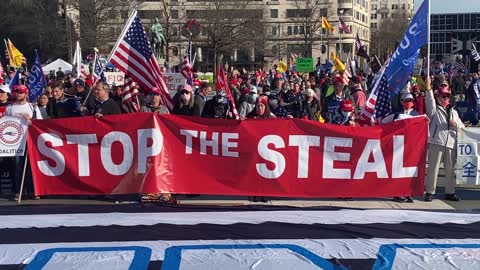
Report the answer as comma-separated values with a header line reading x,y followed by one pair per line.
x,y
262,109
312,105
153,105
184,105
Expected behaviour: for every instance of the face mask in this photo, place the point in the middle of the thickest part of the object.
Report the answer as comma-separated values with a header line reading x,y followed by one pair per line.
x,y
186,98
407,105
445,102
252,98
346,114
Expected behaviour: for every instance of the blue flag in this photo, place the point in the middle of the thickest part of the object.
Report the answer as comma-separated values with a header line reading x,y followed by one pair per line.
x,y
36,79
15,80
401,63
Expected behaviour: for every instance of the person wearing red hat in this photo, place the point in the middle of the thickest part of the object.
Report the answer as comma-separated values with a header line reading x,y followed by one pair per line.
x,y
154,103
419,99
345,114
262,109
184,105
26,111
357,93
331,108
21,107
444,124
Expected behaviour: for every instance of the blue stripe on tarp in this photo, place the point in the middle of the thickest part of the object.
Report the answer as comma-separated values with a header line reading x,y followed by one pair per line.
x,y
140,261
173,255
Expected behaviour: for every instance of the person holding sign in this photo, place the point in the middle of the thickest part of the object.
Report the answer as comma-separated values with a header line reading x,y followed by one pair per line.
x,y
26,111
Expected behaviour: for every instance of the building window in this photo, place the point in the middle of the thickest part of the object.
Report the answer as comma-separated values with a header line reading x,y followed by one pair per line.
x,y
174,14
289,31
274,50
295,30
274,30
302,30
274,13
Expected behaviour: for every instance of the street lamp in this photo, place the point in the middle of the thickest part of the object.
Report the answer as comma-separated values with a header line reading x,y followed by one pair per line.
x,y
341,11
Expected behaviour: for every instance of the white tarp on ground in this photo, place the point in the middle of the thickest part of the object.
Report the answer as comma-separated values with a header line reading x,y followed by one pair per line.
x,y
59,63
225,238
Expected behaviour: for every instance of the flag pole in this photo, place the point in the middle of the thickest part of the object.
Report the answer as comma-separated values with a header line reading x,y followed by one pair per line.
x,y
8,51
23,176
122,35
428,40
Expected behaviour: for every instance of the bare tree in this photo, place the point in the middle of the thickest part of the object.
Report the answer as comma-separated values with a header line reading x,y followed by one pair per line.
x,y
35,24
307,17
228,24
99,20
389,33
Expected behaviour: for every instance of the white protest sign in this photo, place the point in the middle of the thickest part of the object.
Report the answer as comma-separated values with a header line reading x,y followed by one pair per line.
x,y
117,78
13,133
174,80
467,156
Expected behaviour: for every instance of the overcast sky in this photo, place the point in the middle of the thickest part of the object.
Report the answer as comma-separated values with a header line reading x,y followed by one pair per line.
x,y
452,6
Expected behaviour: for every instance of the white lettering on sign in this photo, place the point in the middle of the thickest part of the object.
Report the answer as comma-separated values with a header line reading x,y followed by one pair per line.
x,y
226,139
55,155
83,140
150,144
117,78
268,145
271,155
329,156
303,142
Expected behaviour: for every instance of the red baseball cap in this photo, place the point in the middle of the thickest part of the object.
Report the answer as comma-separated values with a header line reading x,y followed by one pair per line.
x,y
338,79
346,105
20,88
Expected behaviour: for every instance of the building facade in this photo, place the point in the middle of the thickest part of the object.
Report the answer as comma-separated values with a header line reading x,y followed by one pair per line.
x,y
280,28
381,10
452,36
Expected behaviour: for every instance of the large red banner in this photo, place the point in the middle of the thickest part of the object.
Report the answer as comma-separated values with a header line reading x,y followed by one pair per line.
x,y
149,153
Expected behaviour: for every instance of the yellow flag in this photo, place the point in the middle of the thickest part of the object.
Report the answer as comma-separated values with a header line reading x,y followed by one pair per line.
x,y
15,55
327,25
281,67
339,65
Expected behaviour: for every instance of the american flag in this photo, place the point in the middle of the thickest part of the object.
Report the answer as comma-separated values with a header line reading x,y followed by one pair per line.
x,y
344,27
129,98
83,73
98,69
474,53
460,66
134,56
187,71
360,49
378,104
222,84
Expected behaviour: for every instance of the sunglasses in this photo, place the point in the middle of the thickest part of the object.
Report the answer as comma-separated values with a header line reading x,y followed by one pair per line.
x,y
183,92
18,92
444,96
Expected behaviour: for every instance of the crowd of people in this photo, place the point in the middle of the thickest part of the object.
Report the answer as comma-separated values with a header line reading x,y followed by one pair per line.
x,y
449,102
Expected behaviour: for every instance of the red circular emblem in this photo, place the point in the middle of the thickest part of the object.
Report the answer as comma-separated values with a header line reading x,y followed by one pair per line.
x,y
10,133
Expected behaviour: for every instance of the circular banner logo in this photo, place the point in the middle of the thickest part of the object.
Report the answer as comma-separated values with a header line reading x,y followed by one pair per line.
x,y
10,133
